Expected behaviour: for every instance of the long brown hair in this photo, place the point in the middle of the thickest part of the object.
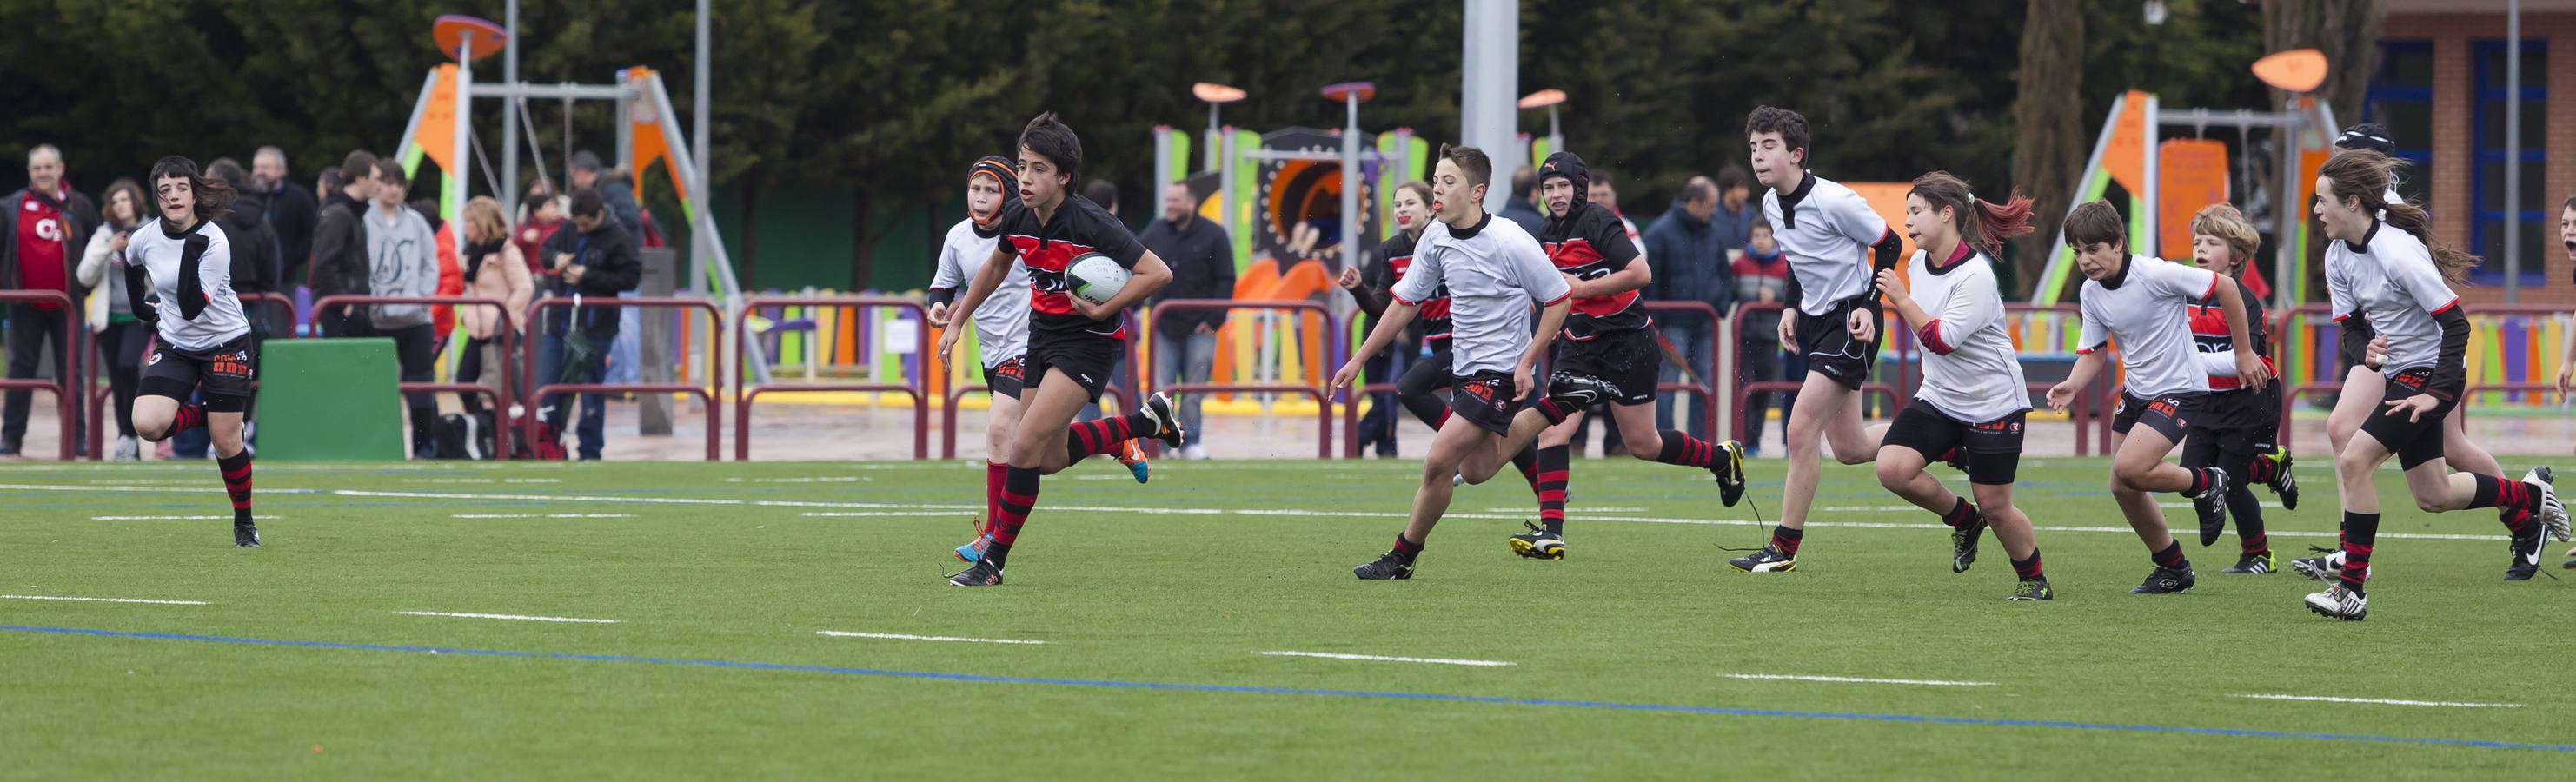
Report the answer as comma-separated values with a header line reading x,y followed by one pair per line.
x,y
133,190
1982,224
2363,175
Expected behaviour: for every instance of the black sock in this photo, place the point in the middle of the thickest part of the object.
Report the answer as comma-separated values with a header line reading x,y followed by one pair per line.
x,y
236,472
2248,513
1406,550
2027,569
2171,557
2360,531
1786,540
1961,514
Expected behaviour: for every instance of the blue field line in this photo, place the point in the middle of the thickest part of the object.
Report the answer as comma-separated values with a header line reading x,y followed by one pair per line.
x,y
1244,689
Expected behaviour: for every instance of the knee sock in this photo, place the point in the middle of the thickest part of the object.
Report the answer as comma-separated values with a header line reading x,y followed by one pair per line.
x,y
1019,496
188,417
2202,478
2360,530
2515,498
1527,462
1552,476
1406,550
995,473
236,470
1682,449
2248,513
1103,435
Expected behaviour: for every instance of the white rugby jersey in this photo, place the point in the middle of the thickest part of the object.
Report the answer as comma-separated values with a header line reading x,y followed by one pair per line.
x,y
1826,231
2144,308
1969,369
154,248
1493,271
1002,321
2391,280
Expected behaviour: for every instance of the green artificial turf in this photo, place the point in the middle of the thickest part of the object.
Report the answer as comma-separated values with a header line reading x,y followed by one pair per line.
x,y
1184,582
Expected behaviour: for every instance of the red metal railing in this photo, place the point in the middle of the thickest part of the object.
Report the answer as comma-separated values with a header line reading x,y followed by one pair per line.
x,y
948,411
501,435
62,387
1744,391
1323,399
916,387
715,349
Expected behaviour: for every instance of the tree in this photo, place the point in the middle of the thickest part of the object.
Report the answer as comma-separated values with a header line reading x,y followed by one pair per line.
x,y
2048,140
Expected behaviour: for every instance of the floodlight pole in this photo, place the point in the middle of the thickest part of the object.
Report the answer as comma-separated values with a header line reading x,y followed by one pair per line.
x,y
1350,180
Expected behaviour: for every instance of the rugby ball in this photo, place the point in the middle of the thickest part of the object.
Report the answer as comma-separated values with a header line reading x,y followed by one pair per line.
x,y
1095,278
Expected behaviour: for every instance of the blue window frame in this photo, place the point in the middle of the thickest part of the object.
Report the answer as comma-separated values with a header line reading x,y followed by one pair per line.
x,y
2488,209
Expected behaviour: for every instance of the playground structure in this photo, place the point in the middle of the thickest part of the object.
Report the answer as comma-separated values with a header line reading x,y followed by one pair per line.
x,y
441,129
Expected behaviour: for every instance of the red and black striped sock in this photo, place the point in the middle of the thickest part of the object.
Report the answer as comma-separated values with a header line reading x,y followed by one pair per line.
x,y
1786,540
1961,513
1553,473
2360,530
1089,438
1682,449
2253,542
236,470
187,417
1527,462
2260,470
1553,411
2495,492
1019,497
994,474
2202,478
1405,549
2028,569
2170,557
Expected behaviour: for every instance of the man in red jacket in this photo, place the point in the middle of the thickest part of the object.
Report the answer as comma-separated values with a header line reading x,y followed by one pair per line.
x,y
35,254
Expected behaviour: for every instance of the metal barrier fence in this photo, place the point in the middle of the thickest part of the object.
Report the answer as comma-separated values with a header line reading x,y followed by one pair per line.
x,y
1323,399
62,387
917,388
715,351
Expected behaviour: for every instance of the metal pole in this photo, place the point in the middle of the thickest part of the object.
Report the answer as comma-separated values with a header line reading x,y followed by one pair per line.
x,y
699,198
1490,70
509,194
1162,160
1212,142
2285,217
460,151
2146,202
1350,180
1555,132
2513,151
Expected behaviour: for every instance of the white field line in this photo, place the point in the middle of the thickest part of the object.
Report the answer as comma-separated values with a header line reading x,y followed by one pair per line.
x,y
1377,658
1856,680
1394,512
107,600
2382,701
511,616
806,479
903,637
898,514
542,516
176,518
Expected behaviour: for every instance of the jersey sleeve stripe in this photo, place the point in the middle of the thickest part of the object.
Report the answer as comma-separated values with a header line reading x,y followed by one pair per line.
x,y
1569,293
1931,337
2455,304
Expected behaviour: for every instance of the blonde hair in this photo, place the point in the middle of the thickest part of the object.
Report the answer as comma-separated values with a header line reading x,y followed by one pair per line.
x,y
483,217
2230,226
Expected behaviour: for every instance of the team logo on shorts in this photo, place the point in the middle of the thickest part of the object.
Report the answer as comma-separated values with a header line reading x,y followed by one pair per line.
x,y
1481,389
155,360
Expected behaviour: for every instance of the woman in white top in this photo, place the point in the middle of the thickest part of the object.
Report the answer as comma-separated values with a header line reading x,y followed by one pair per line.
x,y
123,337
178,277
1973,398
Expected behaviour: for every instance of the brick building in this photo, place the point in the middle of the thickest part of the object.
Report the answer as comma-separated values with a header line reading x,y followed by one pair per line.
x,y
2440,89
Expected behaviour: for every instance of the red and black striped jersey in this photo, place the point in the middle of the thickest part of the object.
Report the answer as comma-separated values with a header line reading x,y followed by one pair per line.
x,y
1079,226
2209,334
1591,244
1433,313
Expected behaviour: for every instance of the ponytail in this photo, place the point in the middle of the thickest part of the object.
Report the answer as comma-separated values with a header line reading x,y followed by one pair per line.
x,y
1983,224
2454,262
